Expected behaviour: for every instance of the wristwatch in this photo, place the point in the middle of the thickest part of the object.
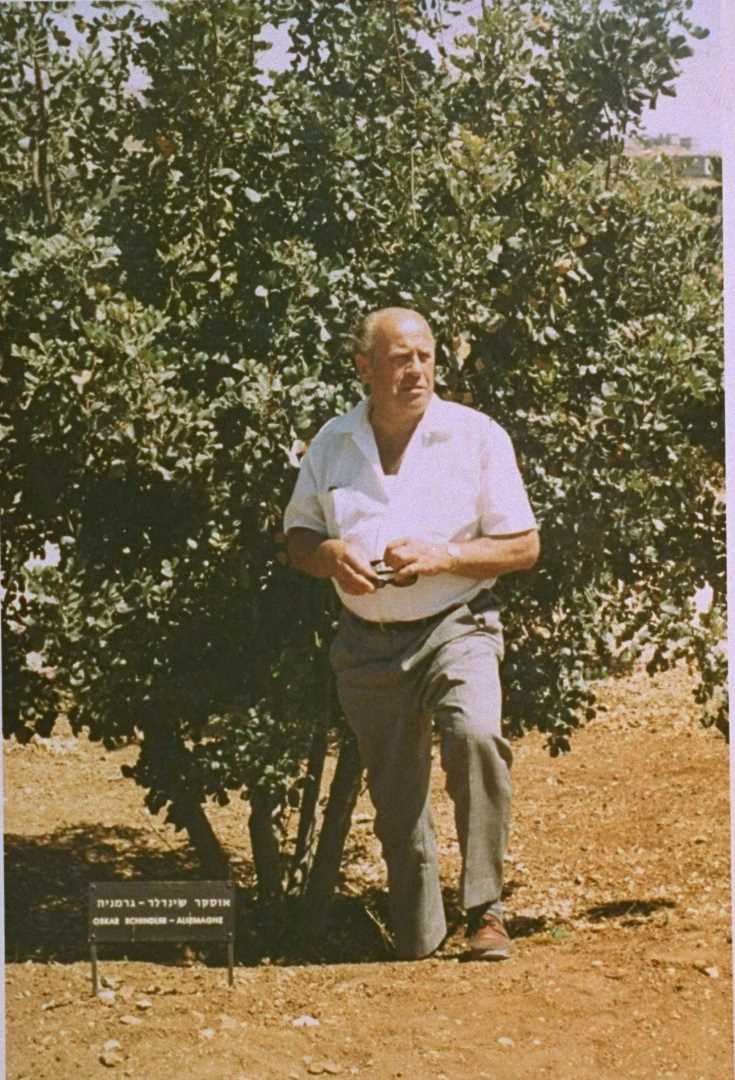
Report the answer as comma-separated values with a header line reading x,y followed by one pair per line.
x,y
453,552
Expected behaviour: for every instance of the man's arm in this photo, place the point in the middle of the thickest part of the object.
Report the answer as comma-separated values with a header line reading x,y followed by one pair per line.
x,y
484,557
323,557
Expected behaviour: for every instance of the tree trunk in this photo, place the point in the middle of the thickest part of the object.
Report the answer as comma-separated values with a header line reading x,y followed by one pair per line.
x,y
210,853
303,851
163,755
337,817
266,849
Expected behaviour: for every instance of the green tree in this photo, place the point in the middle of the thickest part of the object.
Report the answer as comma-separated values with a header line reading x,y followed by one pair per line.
x,y
179,271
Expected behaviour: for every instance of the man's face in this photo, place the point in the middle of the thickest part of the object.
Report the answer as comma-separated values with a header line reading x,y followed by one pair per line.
x,y
400,369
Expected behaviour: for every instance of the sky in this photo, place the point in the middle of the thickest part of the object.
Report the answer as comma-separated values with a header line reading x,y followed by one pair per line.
x,y
697,110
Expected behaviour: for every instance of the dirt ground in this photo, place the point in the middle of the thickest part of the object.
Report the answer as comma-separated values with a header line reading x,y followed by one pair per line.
x,y
617,895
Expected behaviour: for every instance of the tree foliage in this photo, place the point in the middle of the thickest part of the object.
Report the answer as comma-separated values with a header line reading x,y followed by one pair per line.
x,y
179,271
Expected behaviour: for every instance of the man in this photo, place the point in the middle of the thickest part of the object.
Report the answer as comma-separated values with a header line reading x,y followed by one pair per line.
x,y
413,506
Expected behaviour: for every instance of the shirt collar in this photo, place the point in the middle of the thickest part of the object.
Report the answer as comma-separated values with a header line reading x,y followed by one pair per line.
x,y
435,421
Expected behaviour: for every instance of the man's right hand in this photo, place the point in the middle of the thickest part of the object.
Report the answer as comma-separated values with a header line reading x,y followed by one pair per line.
x,y
348,568
315,554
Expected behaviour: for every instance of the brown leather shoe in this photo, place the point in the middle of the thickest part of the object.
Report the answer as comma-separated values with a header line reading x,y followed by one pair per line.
x,y
489,940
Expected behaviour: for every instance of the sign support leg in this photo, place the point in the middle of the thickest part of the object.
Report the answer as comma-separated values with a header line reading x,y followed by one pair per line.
x,y
93,958
230,962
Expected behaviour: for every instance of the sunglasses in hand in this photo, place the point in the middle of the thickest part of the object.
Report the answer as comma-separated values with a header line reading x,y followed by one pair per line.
x,y
386,575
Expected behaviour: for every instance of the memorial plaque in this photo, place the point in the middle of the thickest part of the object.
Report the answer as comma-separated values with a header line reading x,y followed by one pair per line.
x,y
161,911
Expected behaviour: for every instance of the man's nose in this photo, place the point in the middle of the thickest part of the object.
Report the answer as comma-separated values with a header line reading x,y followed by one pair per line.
x,y
414,363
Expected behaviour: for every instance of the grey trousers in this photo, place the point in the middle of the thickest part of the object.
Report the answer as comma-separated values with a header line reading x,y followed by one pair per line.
x,y
391,682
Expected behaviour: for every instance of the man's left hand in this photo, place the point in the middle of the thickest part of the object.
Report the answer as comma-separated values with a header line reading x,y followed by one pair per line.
x,y
410,557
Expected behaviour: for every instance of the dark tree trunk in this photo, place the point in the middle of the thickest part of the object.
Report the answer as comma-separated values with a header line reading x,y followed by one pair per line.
x,y
210,853
266,848
303,851
164,765
337,817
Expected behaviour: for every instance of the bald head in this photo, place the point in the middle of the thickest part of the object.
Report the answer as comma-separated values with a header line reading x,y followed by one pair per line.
x,y
395,358
381,324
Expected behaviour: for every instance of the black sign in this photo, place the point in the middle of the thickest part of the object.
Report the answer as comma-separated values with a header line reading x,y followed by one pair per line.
x,y
161,911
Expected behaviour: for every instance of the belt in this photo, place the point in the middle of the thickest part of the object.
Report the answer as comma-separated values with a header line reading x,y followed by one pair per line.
x,y
484,600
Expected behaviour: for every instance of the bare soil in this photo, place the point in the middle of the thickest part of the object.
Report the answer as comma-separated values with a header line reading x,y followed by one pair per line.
x,y
617,894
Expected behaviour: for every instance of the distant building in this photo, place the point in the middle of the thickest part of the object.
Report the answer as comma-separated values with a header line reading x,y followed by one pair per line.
x,y
695,169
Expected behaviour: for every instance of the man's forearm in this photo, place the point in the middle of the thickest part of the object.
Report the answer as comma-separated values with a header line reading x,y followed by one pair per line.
x,y
484,557
311,552
491,556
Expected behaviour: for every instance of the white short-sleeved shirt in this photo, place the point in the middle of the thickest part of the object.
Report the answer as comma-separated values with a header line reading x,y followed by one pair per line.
x,y
458,480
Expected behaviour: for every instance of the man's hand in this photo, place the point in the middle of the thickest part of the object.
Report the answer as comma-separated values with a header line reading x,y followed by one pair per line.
x,y
348,568
409,557
483,557
317,555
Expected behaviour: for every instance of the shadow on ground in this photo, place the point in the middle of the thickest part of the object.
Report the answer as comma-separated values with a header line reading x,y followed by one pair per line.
x,y
630,912
46,902
47,882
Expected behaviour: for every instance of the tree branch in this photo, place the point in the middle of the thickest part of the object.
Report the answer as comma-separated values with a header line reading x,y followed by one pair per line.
x,y
40,157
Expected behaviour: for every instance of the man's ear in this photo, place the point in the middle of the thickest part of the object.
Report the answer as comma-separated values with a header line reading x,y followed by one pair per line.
x,y
364,367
